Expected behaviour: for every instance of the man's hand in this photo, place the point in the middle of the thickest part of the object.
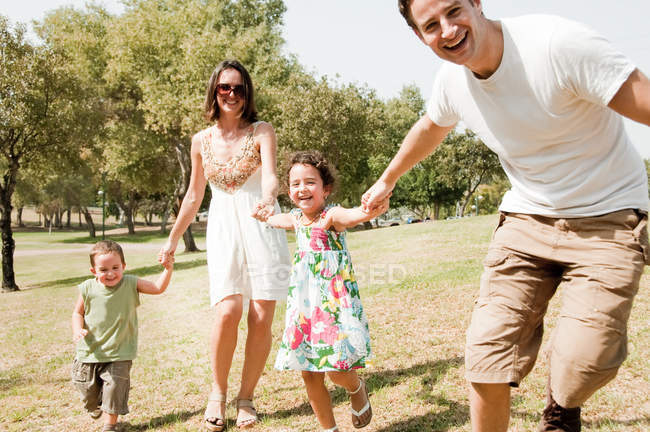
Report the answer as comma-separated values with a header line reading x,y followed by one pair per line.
x,y
376,195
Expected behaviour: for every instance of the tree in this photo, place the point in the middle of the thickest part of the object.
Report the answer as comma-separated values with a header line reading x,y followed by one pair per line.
x,y
343,122
41,113
164,51
466,162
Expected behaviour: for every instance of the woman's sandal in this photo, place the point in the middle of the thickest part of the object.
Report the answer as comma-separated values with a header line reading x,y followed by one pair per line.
x,y
246,413
215,421
356,415
334,429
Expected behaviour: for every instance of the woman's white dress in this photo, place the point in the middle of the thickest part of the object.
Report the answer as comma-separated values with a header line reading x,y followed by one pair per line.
x,y
245,256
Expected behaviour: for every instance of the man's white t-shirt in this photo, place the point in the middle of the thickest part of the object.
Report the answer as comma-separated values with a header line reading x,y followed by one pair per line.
x,y
544,113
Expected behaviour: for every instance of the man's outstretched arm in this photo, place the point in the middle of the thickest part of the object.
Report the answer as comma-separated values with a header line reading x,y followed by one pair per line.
x,y
633,98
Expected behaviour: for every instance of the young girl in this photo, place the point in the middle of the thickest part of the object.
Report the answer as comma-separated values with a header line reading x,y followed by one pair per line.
x,y
326,329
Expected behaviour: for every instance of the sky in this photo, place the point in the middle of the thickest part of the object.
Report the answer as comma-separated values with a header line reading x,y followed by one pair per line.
x,y
368,42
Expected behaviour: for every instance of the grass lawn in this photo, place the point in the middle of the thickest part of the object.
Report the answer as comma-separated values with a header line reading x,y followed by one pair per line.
x,y
418,283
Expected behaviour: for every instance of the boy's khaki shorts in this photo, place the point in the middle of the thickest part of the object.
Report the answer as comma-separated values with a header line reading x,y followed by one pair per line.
x,y
103,385
599,260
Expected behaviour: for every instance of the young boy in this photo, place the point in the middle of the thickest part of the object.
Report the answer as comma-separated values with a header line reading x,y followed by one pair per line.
x,y
105,327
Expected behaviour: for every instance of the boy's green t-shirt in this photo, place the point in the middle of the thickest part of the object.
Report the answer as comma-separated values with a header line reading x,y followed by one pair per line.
x,y
111,320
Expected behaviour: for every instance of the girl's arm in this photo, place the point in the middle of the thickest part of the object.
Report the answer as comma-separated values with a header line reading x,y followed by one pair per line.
x,y
340,218
191,202
265,136
283,221
78,330
148,287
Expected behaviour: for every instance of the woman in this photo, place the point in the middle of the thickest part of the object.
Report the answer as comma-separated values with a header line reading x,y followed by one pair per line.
x,y
247,261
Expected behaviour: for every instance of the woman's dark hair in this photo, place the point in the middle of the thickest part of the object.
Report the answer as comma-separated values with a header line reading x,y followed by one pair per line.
x,y
318,161
249,111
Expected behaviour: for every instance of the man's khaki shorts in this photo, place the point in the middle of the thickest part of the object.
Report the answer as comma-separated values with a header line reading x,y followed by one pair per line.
x,y
599,261
103,385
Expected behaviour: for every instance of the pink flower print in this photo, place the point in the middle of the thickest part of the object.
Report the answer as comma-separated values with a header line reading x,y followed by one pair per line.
x,y
339,290
341,364
305,326
322,327
326,272
295,337
318,240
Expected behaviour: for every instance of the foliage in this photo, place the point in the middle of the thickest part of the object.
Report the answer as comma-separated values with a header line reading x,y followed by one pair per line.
x,y
43,116
465,162
340,121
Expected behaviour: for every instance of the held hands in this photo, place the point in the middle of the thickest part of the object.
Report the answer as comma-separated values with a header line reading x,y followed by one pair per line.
x,y
380,208
264,209
79,334
166,255
376,195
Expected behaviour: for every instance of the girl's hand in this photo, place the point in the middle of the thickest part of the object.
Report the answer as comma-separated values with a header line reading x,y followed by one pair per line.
x,y
264,209
80,334
166,254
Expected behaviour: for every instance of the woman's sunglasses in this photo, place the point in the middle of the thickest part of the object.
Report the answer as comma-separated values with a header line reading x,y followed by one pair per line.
x,y
225,89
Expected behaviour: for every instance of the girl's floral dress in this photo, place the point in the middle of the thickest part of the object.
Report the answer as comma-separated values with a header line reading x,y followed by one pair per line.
x,y
325,326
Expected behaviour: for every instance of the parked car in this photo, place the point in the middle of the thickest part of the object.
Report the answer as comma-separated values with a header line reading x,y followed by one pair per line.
x,y
413,220
388,222
202,216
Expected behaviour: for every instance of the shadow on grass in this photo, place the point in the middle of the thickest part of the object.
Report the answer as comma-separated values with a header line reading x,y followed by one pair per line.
x,y
13,382
167,419
430,372
642,421
142,237
140,272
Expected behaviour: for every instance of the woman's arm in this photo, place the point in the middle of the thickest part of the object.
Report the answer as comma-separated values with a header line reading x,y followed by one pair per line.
x,y
265,137
340,218
191,202
283,221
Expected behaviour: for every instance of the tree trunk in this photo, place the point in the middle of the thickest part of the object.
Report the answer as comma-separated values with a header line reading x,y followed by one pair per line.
x,y
79,214
128,216
164,218
19,217
89,221
185,162
8,244
58,219
67,222
436,211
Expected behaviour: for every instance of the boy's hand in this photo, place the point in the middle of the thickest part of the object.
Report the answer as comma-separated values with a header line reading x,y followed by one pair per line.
x,y
168,262
80,334
166,255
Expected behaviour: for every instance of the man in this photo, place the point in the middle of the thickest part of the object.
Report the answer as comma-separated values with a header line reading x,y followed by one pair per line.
x,y
546,94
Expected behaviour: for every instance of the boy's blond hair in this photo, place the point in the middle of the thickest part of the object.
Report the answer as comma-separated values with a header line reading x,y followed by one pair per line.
x,y
105,247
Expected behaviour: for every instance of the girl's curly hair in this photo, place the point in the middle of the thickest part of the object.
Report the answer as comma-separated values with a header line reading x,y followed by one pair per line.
x,y
318,161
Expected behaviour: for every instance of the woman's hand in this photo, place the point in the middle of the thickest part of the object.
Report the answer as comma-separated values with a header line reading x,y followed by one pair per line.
x,y
264,209
166,254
